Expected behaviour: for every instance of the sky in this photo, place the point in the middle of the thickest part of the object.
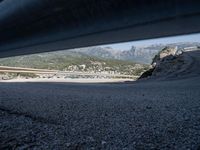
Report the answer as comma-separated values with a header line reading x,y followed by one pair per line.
x,y
166,40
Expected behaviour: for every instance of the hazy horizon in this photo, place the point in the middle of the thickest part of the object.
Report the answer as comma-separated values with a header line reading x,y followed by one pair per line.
x,y
165,40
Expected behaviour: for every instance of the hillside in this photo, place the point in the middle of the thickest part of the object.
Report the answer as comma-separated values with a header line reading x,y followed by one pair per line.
x,y
75,61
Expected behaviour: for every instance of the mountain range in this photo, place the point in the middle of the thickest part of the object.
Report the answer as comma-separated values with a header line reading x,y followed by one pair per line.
x,y
142,55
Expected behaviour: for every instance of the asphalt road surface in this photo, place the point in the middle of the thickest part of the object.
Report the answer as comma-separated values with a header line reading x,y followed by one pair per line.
x,y
152,114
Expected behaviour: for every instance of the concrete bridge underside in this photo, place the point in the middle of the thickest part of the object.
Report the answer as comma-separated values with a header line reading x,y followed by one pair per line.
x,y
32,26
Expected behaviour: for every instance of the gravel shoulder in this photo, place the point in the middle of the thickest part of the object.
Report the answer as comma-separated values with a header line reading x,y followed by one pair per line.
x,y
143,115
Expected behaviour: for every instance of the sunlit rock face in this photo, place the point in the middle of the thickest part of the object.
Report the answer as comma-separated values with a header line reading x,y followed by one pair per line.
x,y
167,51
167,63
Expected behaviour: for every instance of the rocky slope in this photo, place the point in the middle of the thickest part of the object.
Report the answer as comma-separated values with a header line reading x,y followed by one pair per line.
x,y
170,62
